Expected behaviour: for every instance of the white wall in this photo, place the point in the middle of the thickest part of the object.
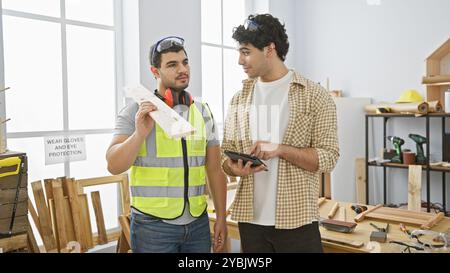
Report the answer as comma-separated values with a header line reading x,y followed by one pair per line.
x,y
377,52
159,19
285,12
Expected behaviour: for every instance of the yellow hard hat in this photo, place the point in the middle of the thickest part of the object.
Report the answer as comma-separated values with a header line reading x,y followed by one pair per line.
x,y
410,95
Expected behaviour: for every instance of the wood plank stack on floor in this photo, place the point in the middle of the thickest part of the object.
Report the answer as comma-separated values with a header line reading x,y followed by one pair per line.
x,y
62,214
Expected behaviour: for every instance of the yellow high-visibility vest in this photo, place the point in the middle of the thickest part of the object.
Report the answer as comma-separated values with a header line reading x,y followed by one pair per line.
x,y
172,173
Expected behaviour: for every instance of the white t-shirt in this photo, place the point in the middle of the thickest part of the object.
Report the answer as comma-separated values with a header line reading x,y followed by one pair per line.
x,y
269,116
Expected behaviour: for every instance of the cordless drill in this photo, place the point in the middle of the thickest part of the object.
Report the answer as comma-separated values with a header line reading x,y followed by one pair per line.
x,y
397,142
420,140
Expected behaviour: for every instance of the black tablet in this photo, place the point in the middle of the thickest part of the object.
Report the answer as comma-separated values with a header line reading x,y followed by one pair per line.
x,y
235,156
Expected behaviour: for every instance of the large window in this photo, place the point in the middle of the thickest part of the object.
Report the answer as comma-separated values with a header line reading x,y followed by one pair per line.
x,y
60,62
222,76
59,59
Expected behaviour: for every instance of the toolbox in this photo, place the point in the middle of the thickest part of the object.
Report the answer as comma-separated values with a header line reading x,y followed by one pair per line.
x,y
13,193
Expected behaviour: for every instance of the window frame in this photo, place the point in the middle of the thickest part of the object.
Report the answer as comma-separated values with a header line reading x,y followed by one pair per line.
x,y
248,8
63,22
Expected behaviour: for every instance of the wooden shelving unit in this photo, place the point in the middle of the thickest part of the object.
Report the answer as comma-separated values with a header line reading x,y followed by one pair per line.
x,y
437,79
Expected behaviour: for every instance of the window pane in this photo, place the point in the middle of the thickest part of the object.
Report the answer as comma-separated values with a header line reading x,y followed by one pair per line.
x,y
233,75
211,27
33,71
95,164
34,148
41,7
98,11
91,79
233,16
212,80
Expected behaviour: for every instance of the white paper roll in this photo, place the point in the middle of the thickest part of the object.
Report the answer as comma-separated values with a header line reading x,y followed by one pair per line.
x,y
447,101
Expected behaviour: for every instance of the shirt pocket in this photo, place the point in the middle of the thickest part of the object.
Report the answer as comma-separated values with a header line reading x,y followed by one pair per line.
x,y
302,130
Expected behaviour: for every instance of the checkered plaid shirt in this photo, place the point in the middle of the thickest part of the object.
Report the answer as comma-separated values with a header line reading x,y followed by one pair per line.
x,y
312,124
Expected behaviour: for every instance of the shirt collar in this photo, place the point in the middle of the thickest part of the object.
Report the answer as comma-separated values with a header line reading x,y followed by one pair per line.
x,y
298,79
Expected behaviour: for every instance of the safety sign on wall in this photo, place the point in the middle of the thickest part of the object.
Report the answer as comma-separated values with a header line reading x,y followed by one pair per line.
x,y
60,149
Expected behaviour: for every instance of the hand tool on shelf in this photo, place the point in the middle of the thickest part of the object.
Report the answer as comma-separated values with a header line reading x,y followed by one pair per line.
x,y
420,140
397,143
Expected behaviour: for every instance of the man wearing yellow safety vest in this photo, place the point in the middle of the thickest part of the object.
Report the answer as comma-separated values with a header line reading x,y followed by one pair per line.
x,y
168,176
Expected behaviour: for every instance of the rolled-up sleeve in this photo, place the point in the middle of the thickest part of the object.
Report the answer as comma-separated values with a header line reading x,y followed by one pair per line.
x,y
325,138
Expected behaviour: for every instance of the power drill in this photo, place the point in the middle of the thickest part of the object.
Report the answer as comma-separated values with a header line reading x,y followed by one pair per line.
x,y
397,142
420,140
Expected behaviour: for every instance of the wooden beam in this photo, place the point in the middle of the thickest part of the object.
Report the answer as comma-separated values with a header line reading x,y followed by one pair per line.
x,y
34,216
60,220
86,221
44,217
125,225
70,231
415,188
361,180
101,229
31,241
76,213
14,243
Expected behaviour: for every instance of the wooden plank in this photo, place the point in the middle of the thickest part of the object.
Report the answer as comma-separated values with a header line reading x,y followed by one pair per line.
x,y
65,185
343,241
100,180
60,220
20,224
86,220
51,208
433,221
415,188
70,232
394,218
125,195
76,213
112,234
14,243
44,216
121,179
9,196
405,213
125,226
122,245
31,241
360,179
6,210
48,189
101,229
34,216
10,182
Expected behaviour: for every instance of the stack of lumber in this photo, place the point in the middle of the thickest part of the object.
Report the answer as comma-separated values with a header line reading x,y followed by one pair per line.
x,y
62,216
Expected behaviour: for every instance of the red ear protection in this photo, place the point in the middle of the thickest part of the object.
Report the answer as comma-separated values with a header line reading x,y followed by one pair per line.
x,y
183,98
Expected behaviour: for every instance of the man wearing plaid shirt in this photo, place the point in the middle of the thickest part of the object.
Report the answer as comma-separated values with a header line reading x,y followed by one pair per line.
x,y
288,121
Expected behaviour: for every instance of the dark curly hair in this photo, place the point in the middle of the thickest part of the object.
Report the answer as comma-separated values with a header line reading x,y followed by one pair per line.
x,y
155,59
269,30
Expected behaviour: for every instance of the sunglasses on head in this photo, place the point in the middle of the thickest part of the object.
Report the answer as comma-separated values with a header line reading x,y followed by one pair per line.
x,y
251,25
167,43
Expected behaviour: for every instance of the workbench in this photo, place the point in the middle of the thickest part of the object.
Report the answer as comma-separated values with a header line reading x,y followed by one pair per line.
x,y
361,233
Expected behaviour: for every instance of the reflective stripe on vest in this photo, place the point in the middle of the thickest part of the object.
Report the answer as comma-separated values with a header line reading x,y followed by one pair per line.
x,y
158,187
